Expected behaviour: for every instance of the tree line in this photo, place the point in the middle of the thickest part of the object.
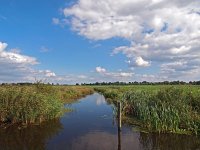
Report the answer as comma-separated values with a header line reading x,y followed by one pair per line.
x,y
117,83
144,83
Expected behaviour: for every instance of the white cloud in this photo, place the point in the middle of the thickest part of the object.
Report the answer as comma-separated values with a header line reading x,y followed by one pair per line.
x,y
120,75
125,74
3,46
100,70
160,31
49,73
13,57
182,49
141,62
106,19
16,67
17,58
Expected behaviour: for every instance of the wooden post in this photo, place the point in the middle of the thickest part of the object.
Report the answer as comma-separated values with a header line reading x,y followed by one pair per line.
x,y
119,125
119,116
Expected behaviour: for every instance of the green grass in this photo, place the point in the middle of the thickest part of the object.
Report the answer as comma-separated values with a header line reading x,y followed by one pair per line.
x,y
159,108
36,103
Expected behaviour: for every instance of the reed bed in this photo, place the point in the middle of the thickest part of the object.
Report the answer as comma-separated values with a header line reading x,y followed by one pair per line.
x,y
28,104
170,109
36,103
69,94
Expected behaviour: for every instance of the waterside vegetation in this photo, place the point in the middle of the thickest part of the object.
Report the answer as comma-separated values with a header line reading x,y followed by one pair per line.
x,y
36,103
163,108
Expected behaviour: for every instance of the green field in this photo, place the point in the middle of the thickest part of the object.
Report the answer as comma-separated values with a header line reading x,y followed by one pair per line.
x,y
158,108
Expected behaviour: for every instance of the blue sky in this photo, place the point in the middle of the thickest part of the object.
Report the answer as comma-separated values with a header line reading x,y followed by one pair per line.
x,y
69,41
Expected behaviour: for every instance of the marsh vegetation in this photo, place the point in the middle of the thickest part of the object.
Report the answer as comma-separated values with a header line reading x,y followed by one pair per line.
x,y
155,108
163,109
36,103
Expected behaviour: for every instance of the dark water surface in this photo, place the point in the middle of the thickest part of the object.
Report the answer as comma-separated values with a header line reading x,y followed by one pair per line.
x,y
91,126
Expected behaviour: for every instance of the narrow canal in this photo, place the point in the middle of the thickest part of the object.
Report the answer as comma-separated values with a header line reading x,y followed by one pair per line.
x,y
91,126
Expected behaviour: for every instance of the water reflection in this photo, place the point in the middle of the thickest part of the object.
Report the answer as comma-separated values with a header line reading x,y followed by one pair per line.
x,y
138,141
119,139
99,140
169,142
104,141
100,100
30,138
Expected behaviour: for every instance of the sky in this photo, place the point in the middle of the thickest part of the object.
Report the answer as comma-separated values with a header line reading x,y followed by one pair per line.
x,y
78,41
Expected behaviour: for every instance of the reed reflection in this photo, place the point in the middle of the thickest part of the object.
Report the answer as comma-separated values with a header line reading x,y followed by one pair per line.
x,y
30,138
169,141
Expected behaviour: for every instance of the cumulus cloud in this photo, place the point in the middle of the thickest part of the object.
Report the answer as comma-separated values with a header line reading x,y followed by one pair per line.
x,y
13,57
141,62
16,67
13,65
160,31
120,75
49,73
3,46
100,70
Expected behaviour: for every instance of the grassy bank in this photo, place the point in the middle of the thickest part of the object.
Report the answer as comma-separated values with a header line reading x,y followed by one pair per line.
x,y
36,103
159,108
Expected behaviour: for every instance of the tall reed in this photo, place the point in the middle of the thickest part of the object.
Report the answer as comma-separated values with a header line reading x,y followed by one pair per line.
x,y
171,109
36,103
28,104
